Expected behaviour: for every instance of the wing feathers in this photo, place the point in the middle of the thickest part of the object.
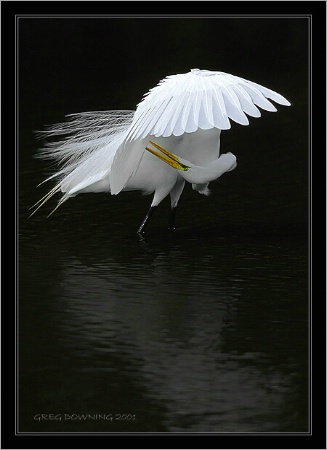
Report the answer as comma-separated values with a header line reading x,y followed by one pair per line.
x,y
233,106
200,99
182,104
178,104
259,99
220,112
246,102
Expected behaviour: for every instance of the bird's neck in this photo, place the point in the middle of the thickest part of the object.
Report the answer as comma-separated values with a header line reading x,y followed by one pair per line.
x,y
211,171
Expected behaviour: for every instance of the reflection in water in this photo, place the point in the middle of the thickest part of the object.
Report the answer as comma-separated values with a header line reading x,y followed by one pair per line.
x,y
205,332
205,344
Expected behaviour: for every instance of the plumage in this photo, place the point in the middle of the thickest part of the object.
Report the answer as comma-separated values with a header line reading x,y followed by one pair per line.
x,y
184,114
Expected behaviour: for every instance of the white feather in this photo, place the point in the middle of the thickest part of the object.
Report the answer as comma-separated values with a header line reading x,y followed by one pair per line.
x,y
90,143
229,95
103,150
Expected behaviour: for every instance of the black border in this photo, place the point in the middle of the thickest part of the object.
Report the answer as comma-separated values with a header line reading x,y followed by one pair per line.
x,y
317,438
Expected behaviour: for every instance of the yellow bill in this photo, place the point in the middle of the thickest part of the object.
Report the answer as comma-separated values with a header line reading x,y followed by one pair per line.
x,y
169,158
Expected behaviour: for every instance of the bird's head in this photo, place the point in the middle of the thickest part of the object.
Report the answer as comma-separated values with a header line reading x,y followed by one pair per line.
x,y
192,173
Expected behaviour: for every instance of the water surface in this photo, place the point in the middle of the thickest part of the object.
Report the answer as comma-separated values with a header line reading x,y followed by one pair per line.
x,y
202,331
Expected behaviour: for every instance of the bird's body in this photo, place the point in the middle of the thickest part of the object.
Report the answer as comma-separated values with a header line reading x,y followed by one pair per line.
x,y
182,117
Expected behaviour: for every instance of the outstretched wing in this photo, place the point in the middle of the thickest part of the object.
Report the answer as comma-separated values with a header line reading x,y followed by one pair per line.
x,y
182,104
200,99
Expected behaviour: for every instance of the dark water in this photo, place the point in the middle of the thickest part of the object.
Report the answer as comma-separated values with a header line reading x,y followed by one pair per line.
x,y
204,331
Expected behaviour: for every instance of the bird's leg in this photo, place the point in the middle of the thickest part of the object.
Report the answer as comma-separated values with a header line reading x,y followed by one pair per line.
x,y
175,194
146,220
172,219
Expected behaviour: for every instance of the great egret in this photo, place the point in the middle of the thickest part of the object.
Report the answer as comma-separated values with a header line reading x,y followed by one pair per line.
x,y
172,137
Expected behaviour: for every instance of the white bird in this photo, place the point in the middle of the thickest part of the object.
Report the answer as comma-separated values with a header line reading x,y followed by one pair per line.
x,y
172,137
